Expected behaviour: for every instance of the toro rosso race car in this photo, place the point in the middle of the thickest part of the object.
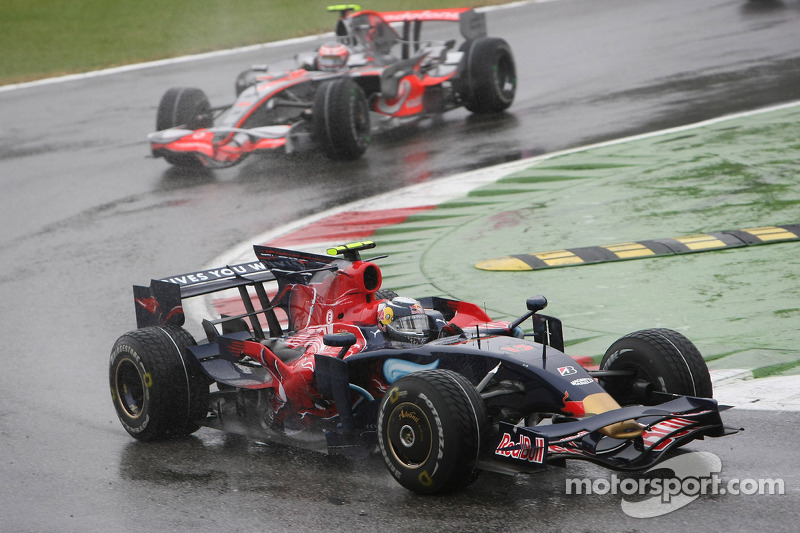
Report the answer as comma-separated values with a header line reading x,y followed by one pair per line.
x,y
330,98
323,358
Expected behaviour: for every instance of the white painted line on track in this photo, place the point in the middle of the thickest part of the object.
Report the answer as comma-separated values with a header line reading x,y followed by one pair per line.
x,y
742,391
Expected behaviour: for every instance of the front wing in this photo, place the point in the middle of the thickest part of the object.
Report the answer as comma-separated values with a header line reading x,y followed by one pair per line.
x,y
528,449
206,146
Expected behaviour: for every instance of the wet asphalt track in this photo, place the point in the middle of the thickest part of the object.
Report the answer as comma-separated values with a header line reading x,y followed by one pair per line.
x,y
84,214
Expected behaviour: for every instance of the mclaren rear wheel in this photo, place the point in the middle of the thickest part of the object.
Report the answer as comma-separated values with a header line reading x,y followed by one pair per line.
x,y
487,82
431,429
341,119
659,360
157,387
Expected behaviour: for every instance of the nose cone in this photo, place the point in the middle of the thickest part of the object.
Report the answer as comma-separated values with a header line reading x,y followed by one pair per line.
x,y
599,403
627,429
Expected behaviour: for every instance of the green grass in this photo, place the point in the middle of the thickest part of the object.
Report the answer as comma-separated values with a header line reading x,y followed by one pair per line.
x,y
44,38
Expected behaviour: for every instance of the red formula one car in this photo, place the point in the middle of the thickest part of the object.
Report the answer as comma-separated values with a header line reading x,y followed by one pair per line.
x,y
373,76
324,358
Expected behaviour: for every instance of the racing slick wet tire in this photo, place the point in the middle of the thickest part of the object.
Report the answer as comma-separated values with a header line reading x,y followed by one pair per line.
x,y
185,107
158,388
487,81
431,428
663,361
341,119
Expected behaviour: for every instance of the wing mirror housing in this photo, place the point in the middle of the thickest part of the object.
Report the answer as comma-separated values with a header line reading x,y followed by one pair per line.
x,y
536,304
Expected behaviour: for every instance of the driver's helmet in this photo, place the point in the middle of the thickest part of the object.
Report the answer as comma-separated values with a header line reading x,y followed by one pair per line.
x,y
403,319
332,57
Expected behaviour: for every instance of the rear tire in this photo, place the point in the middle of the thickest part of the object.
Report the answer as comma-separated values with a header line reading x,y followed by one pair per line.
x,y
183,107
662,357
385,294
487,82
431,429
341,119
157,386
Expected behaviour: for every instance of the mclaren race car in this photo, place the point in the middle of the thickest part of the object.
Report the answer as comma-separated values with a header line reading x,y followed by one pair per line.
x,y
372,77
322,357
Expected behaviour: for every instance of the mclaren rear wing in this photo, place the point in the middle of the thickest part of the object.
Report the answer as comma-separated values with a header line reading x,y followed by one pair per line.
x,y
375,29
471,23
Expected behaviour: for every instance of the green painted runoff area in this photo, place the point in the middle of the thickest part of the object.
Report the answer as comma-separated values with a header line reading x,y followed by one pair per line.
x,y
740,306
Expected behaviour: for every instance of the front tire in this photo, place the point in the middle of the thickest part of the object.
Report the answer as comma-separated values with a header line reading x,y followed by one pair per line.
x,y
341,119
188,108
487,82
157,387
431,428
185,107
662,358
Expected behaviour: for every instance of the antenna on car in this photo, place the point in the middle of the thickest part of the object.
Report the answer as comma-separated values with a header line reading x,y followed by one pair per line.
x,y
351,251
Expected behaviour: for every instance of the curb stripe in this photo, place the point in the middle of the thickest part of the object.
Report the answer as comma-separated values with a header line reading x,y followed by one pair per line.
x,y
701,242
347,226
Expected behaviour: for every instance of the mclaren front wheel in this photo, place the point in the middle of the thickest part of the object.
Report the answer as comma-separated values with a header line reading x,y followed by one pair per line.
x,y
187,108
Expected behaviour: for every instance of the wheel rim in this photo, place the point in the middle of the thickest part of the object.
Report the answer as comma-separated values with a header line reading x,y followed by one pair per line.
x,y
625,389
409,435
361,119
129,388
506,80
642,374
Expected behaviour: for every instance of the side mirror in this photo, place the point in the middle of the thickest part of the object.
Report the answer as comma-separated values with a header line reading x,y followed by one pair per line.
x,y
344,339
536,304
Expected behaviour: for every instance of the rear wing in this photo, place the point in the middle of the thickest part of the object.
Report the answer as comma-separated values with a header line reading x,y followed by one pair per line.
x,y
372,29
471,23
160,303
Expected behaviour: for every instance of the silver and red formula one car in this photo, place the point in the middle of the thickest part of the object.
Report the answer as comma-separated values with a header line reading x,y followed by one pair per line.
x,y
372,77
322,357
